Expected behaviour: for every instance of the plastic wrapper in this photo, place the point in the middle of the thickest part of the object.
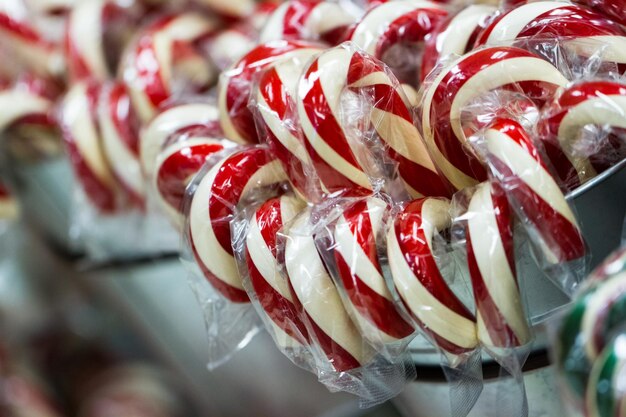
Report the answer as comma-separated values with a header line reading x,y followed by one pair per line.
x,y
344,361
465,81
236,85
358,129
395,32
464,102
484,231
312,20
166,60
349,236
426,277
255,235
562,33
589,339
613,9
101,137
454,36
518,164
236,180
583,130
173,147
273,105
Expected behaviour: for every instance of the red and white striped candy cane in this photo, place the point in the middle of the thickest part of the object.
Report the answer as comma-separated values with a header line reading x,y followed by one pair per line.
x,y
84,144
308,20
24,105
276,105
165,62
588,103
119,128
212,208
613,9
333,152
270,287
262,13
231,44
465,80
397,22
172,121
26,49
454,36
176,167
500,317
235,86
87,52
356,256
316,295
519,166
589,31
423,289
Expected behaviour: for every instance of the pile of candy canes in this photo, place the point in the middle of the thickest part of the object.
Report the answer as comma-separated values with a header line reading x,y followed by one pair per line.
x,y
346,148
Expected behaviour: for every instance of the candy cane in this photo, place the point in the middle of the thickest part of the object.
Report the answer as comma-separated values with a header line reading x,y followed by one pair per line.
x,y
500,317
613,9
84,144
165,48
517,163
589,103
333,152
315,293
120,140
176,167
29,49
231,44
605,396
554,20
308,20
212,207
172,121
356,257
455,36
270,287
276,104
87,26
236,86
418,280
24,106
397,22
467,79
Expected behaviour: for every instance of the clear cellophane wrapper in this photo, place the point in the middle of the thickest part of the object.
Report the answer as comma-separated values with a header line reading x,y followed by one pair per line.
x,y
529,185
208,239
587,342
342,357
489,243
